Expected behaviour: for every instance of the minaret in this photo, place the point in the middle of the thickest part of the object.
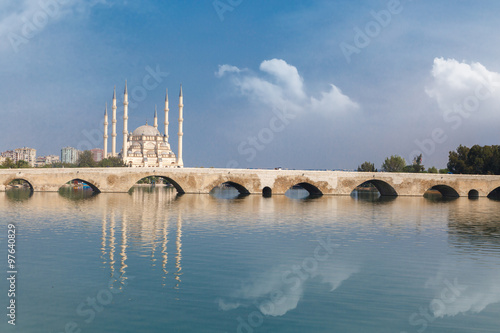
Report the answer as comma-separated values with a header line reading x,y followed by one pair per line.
x,y
180,163
113,128
125,124
166,115
156,119
106,132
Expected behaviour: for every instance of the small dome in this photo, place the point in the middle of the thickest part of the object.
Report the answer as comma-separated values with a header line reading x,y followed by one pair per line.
x,y
146,130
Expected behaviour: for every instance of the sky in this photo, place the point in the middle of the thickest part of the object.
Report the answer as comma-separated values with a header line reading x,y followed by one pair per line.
x,y
292,84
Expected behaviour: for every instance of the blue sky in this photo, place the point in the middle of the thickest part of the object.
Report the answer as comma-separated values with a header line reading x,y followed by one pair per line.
x,y
296,84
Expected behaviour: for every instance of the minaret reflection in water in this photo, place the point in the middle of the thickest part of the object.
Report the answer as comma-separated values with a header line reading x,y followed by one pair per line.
x,y
123,253
178,256
146,221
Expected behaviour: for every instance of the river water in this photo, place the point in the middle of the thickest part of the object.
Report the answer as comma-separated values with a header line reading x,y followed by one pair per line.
x,y
152,261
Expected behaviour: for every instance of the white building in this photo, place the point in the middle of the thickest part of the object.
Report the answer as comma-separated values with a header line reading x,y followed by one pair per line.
x,y
145,146
97,154
45,160
25,154
69,155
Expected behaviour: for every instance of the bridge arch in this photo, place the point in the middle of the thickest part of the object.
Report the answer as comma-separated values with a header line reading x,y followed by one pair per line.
x,y
240,188
12,180
175,184
446,191
385,189
312,191
267,192
473,194
229,190
495,194
89,183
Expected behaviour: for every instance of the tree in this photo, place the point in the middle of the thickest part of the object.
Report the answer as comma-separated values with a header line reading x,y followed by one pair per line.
x,y
417,166
111,162
394,163
481,160
367,167
432,170
457,160
85,160
8,163
22,164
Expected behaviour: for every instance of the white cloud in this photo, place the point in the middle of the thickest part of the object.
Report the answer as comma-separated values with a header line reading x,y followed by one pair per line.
x,y
286,75
458,85
223,69
333,98
281,86
20,21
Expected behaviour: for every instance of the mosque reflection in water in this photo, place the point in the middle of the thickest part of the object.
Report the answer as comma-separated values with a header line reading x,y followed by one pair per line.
x,y
151,227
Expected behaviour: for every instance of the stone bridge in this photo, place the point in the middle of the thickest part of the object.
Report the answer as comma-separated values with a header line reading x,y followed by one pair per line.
x,y
254,181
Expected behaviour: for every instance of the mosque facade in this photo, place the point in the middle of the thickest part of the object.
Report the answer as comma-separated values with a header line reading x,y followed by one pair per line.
x,y
145,147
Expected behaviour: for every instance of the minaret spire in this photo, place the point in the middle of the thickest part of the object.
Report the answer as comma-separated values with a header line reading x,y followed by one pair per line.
x,y
166,114
125,125
105,137
113,126
156,119
180,162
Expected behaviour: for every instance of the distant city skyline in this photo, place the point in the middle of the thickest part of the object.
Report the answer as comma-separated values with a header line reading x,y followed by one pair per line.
x,y
303,85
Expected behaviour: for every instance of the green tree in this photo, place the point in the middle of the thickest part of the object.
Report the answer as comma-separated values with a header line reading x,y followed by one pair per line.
x,y
432,170
85,160
481,160
111,162
8,163
22,164
417,166
367,167
457,160
394,163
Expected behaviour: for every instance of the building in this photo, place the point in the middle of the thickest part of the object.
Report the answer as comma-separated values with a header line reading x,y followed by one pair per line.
x,y
9,154
25,154
46,160
97,154
145,146
51,159
70,155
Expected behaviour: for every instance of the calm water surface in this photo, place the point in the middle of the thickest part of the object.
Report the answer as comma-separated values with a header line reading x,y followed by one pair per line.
x,y
152,261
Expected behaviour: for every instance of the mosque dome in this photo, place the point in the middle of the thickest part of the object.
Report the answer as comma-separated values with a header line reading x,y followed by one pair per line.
x,y
146,130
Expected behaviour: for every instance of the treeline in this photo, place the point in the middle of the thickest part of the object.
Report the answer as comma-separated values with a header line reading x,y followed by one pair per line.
x,y
478,160
10,164
396,163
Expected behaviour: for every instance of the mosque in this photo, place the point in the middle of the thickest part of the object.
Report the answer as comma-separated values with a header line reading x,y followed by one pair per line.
x,y
145,146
